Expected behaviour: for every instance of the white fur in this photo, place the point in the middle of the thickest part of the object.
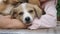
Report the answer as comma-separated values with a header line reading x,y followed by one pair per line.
x,y
26,14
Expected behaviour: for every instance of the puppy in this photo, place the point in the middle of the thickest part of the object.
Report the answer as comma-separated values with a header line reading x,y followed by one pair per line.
x,y
7,5
26,13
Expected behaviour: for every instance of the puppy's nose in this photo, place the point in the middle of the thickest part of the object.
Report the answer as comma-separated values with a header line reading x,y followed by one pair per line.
x,y
27,19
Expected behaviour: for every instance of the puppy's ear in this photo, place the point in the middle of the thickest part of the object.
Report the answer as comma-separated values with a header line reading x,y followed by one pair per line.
x,y
38,11
13,13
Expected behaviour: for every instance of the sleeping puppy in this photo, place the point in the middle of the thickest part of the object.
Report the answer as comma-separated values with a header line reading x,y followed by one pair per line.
x,y
26,13
7,5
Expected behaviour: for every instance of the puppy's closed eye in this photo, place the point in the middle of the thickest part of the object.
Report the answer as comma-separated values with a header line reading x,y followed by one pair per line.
x,y
21,13
31,11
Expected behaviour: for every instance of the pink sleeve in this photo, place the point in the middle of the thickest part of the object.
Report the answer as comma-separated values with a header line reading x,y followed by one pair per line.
x,y
49,19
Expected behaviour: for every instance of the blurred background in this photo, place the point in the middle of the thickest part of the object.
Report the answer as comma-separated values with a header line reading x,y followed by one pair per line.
x,y
58,10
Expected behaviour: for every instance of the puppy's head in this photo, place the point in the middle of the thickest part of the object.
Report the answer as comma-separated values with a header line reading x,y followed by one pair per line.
x,y
26,12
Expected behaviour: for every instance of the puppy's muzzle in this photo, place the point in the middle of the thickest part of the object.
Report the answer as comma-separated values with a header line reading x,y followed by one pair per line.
x,y
28,20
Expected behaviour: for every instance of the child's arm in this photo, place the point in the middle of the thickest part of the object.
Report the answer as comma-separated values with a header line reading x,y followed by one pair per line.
x,y
7,22
48,20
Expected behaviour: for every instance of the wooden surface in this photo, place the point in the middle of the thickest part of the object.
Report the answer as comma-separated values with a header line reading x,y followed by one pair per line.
x,y
26,31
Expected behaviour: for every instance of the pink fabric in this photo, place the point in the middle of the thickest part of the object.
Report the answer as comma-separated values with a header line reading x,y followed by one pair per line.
x,y
49,20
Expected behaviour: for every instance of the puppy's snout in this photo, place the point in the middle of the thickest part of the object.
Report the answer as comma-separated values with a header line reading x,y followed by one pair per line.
x,y
27,19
